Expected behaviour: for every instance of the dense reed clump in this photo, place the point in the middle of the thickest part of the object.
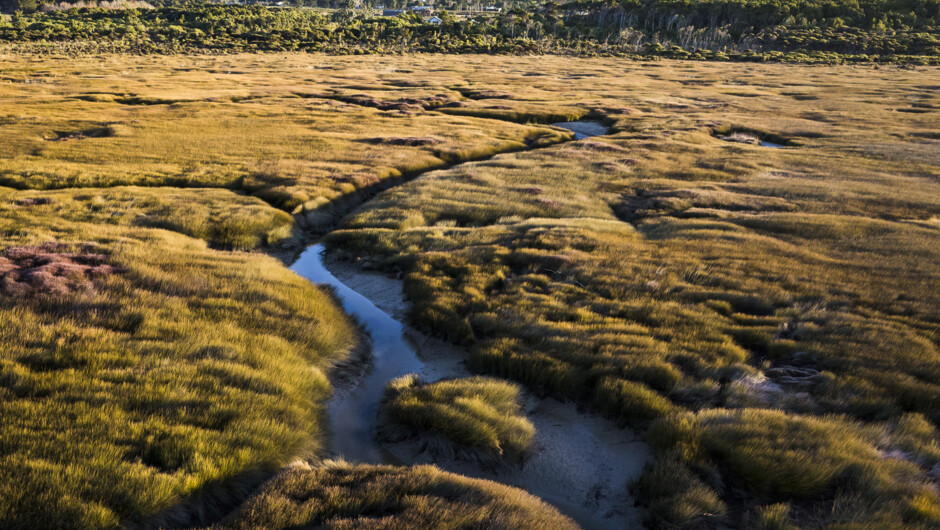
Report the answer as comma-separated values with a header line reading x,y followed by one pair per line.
x,y
342,495
476,417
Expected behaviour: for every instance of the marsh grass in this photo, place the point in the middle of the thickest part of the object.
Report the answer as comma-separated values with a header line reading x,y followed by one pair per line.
x,y
191,371
342,495
660,269
217,128
656,273
786,457
480,418
220,217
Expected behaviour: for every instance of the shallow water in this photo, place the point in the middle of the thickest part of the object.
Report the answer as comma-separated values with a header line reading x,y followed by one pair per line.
x,y
352,415
771,145
583,128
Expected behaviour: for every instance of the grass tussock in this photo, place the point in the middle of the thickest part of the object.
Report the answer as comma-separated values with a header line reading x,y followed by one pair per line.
x,y
478,417
785,457
341,495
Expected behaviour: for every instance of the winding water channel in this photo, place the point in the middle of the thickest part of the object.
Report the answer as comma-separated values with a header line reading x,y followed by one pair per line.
x,y
352,414
582,462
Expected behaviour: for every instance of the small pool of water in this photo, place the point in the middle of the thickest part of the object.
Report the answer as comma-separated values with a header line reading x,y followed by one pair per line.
x,y
352,415
583,128
771,145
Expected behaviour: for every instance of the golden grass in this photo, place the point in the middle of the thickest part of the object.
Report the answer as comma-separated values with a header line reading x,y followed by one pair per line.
x,y
192,371
340,495
656,272
479,416
849,469
223,123
662,268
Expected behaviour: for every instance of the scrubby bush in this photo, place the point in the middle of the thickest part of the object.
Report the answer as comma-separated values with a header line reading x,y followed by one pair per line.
x,y
701,30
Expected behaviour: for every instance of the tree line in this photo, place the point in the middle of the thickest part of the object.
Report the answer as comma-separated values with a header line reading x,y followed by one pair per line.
x,y
791,30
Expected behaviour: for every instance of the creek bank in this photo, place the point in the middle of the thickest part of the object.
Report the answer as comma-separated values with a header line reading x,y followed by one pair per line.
x,y
581,463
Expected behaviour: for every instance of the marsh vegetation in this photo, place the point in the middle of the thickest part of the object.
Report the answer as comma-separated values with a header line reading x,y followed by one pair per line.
x,y
341,495
766,316
479,417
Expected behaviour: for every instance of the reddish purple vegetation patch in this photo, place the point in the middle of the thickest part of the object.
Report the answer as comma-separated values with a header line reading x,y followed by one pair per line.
x,y
50,269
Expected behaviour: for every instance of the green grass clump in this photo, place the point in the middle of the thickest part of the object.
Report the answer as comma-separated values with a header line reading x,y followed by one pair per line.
x,y
774,517
474,414
676,495
340,495
631,402
784,457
